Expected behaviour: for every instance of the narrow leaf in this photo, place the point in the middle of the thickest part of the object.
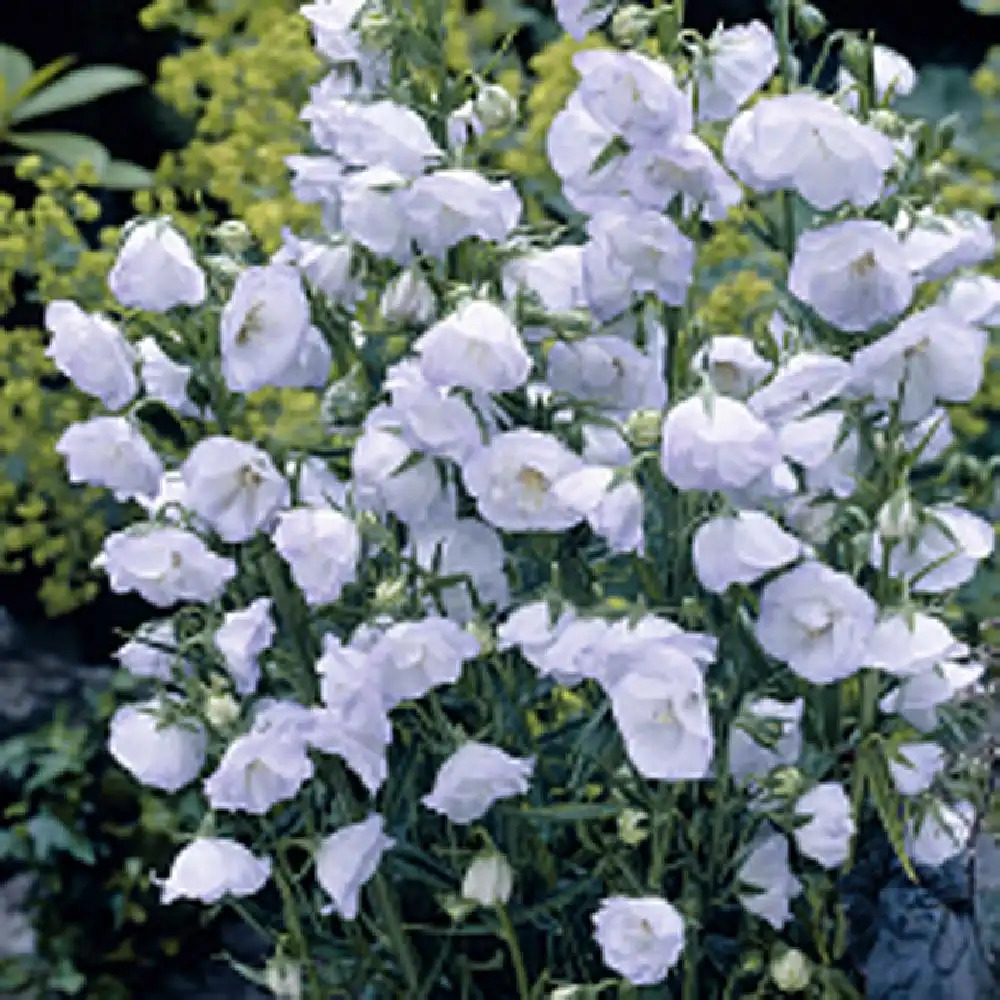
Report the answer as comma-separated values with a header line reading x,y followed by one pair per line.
x,y
120,175
15,69
79,87
40,78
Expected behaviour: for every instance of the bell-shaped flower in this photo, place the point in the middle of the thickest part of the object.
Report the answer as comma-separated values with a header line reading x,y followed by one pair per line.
x,y
607,372
408,299
257,771
826,838
741,549
614,512
233,486
321,546
827,454
156,270
631,95
631,252
938,838
739,61
111,452
532,629
715,443
164,565
347,859
732,365
476,347
818,621
466,548
803,383
92,353
210,868
664,720
355,727
164,379
974,298
941,552
262,326
512,480
554,276
411,658
579,17
854,274
938,245
329,269
151,652
931,357
748,758
918,698
804,143
448,206
915,767
488,881
473,778
241,639
907,645
372,209
640,938
163,755
766,871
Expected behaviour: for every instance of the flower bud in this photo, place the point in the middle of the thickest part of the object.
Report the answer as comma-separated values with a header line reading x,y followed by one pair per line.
x,y
855,56
233,236
495,108
809,22
787,782
897,518
375,30
408,298
790,971
283,978
223,266
489,880
630,25
345,400
390,595
631,831
483,634
643,428
221,710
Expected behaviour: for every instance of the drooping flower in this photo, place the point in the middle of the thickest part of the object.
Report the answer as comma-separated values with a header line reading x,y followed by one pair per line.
x,y
826,838
579,17
940,837
241,639
739,61
92,353
151,653
767,871
262,326
803,383
854,274
748,758
164,565
827,454
347,859
321,546
156,270
476,347
489,880
163,755
938,245
640,938
234,486
473,778
111,452
741,549
916,767
907,645
893,73
715,444
512,480
164,379
733,366
818,621
210,868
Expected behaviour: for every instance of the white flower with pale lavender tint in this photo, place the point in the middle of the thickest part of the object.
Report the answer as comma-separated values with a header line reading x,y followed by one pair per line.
x,y
473,778
156,270
347,859
242,637
111,452
234,486
826,838
163,755
741,549
916,766
321,546
766,870
941,837
732,364
640,938
210,868
748,758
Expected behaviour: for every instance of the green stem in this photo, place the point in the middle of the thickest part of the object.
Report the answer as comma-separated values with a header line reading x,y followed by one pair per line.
x,y
509,935
386,905
291,915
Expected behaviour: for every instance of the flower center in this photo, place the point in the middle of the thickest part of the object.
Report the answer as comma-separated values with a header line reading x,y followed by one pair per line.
x,y
862,266
249,478
534,483
251,324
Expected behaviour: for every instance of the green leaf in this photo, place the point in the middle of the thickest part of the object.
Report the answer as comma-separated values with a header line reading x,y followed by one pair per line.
x,y
81,86
49,836
120,175
68,148
15,70
574,812
987,7
41,77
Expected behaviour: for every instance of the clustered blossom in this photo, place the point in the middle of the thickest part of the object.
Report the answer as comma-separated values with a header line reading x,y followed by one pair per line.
x,y
531,453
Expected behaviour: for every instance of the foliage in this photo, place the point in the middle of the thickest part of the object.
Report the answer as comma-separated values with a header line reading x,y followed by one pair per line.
x,y
27,93
89,837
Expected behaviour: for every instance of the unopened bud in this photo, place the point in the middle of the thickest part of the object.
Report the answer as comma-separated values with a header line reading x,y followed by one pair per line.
x,y
790,971
283,978
489,880
631,830
483,634
222,711
223,266
346,399
787,782
375,30
809,22
855,56
495,108
233,236
644,427
897,519
390,595
408,298
630,25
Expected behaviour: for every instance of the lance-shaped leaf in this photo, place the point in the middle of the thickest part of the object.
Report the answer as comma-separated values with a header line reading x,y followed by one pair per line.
x,y
67,148
81,86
